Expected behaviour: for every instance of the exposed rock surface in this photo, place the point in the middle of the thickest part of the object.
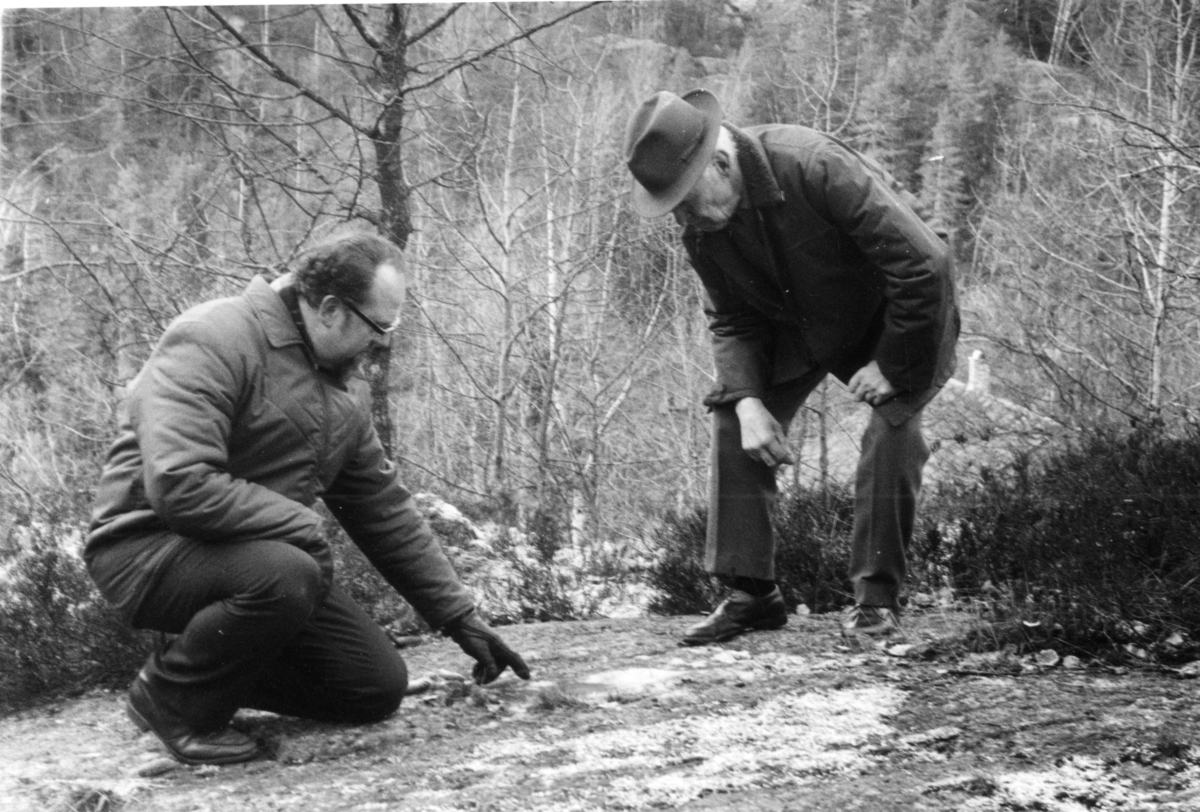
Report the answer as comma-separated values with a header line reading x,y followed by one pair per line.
x,y
617,716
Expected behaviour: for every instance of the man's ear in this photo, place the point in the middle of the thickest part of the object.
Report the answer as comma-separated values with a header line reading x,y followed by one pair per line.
x,y
328,309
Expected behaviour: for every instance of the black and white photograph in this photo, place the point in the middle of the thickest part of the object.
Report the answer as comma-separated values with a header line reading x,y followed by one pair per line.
x,y
711,405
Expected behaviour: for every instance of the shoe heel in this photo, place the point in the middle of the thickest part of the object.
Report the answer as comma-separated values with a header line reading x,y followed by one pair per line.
x,y
138,720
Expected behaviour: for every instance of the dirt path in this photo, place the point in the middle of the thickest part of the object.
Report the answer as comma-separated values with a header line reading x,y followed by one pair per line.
x,y
619,717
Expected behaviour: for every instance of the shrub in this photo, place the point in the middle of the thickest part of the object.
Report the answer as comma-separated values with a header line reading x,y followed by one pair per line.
x,y
812,536
513,582
57,634
1095,547
812,532
678,573
514,576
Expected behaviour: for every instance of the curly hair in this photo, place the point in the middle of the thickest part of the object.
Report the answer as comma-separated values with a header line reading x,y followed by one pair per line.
x,y
344,267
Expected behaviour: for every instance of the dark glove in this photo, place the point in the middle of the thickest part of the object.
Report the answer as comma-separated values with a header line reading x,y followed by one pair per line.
x,y
491,654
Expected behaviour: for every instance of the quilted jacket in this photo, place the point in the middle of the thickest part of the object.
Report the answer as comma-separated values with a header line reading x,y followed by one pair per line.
x,y
230,434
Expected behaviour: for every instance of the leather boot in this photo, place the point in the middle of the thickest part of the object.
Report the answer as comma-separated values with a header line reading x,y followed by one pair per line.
x,y
224,746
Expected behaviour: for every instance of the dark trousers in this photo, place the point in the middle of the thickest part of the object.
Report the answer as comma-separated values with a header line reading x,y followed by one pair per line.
x,y
740,539
252,632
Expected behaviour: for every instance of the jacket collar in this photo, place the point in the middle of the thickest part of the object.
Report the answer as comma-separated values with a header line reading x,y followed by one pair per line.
x,y
272,313
761,187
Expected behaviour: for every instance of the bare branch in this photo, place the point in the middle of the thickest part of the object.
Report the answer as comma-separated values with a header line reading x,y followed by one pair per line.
x,y
281,74
462,63
433,26
354,15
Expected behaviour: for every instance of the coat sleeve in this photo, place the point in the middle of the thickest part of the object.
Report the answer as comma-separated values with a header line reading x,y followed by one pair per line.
x,y
861,199
182,408
742,337
380,516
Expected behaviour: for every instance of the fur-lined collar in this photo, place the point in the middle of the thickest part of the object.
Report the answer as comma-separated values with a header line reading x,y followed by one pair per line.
x,y
759,180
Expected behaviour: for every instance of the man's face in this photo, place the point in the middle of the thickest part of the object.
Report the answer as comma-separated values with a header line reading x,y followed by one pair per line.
x,y
711,202
344,335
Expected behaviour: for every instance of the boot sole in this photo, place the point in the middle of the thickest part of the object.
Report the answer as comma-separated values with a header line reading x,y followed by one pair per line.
x,y
769,624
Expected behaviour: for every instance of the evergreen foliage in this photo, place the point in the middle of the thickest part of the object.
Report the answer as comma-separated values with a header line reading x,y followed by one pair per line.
x,y
684,587
812,527
57,634
1094,547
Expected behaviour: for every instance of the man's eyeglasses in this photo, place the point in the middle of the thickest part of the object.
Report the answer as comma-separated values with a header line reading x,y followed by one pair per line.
x,y
374,325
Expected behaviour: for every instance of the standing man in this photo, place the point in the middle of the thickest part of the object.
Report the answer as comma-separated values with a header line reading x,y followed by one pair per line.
x,y
814,262
204,525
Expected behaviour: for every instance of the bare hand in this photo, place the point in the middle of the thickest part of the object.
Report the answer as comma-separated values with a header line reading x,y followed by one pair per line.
x,y
762,436
868,385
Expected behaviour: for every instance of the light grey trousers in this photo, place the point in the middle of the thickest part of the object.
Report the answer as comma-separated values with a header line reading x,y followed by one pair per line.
x,y
740,539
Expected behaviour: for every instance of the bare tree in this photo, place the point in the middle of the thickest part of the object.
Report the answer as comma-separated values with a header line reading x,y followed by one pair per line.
x,y
1102,260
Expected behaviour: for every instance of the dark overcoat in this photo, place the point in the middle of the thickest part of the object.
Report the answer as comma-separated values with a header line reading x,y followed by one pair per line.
x,y
827,265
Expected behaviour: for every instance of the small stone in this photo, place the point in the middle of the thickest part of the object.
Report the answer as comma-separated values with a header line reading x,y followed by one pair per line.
x,y
923,599
1191,670
1047,658
418,686
159,766
1175,640
970,784
405,640
901,649
1072,662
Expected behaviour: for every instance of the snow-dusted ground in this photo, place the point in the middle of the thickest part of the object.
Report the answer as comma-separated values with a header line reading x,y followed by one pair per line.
x,y
618,717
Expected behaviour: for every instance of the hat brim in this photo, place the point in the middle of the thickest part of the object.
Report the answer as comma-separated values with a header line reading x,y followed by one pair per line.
x,y
649,204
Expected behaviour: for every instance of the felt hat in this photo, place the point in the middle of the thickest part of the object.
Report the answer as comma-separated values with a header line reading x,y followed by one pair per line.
x,y
669,143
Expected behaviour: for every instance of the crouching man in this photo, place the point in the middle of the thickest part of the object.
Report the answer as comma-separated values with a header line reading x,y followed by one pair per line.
x,y
204,524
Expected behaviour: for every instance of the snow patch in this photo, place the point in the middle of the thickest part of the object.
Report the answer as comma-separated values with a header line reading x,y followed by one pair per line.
x,y
780,742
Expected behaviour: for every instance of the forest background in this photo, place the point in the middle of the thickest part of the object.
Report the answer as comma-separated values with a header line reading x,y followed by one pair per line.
x,y
554,353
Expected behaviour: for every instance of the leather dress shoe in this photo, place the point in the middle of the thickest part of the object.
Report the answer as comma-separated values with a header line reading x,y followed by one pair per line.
x,y
224,746
739,613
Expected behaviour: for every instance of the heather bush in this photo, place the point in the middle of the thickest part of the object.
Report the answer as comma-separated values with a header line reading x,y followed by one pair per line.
x,y
1094,547
812,532
677,575
57,634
